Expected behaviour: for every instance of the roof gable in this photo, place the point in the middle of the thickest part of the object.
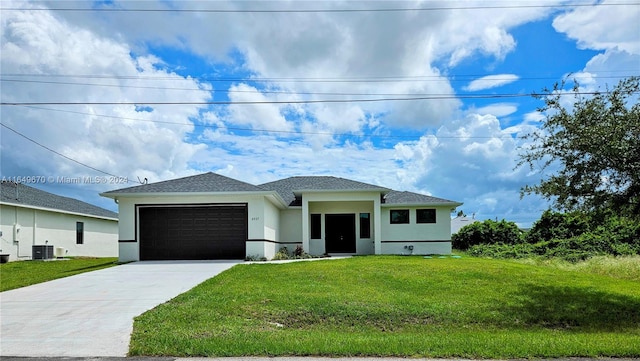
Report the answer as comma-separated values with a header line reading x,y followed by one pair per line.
x,y
289,186
20,194
201,183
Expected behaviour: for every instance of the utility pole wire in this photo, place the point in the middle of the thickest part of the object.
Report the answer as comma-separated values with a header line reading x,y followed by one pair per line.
x,y
309,101
62,155
295,132
284,11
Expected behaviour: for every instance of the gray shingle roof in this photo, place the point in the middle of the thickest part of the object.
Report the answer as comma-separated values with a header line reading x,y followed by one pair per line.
x,y
396,197
206,182
286,187
28,196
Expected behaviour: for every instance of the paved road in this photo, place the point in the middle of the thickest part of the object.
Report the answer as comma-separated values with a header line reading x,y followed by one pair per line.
x,y
91,314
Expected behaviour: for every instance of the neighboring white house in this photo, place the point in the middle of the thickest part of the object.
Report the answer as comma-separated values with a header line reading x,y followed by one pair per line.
x,y
30,216
461,221
209,216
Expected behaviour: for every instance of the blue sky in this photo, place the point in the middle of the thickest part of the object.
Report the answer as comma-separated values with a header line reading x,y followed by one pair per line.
x,y
292,84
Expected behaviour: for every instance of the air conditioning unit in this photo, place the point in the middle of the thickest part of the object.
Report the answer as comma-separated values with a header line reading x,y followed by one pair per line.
x,y
41,252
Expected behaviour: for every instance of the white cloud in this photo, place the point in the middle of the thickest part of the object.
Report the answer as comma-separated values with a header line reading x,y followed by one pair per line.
x,y
36,42
258,116
472,160
491,40
534,117
592,28
491,81
467,159
611,62
498,109
350,45
606,26
265,158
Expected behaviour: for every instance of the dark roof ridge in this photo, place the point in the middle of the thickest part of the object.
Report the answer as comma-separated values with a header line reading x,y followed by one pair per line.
x,y
24,195
203,182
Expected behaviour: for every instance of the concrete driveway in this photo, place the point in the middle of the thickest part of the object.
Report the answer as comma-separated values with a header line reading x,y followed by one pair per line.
x,y
91,314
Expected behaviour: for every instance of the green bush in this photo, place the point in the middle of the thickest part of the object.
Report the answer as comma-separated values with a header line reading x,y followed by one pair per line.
x,y
487,232
623,231
517,251
282,254
572,237
255,258
554,225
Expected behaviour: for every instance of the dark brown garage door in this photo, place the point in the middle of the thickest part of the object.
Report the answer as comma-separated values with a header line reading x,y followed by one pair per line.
x,y
193,232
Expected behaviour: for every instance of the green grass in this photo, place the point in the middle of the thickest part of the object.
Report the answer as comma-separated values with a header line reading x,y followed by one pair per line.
x,y
397,306
24,273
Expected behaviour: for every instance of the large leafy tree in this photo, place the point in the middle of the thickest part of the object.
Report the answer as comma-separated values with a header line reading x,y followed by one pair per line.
x,y
595,145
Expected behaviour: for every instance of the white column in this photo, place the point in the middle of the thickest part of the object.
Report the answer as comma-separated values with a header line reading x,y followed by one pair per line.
x,y
305,225
377,226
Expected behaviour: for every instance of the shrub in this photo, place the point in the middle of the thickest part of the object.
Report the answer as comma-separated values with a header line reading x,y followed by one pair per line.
x,y
585,236
283,253
554,225
299,253
522,250
623,230
487,232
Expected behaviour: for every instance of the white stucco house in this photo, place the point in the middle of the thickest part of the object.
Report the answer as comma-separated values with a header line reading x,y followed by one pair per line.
x,y
210,216
32,217
460,221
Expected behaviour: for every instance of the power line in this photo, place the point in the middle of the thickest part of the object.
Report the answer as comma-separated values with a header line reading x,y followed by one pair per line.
x,y
379,79
307,101
370,79
261,130
257,102
270,91
359,10
62,155
105,85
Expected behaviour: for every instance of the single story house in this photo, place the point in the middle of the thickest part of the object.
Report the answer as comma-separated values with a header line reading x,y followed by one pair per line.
x,y
210,216
32,217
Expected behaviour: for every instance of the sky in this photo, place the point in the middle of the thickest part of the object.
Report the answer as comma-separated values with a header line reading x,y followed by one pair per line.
x,y
424,96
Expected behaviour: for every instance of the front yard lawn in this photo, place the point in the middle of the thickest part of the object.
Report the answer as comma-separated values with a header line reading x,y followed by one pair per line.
x,y
24,273
397,306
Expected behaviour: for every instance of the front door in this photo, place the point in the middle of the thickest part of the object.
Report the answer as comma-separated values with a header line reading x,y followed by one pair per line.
x,y
340,233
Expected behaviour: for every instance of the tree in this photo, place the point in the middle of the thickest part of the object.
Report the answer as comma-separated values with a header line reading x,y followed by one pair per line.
x,y
596,144
486,232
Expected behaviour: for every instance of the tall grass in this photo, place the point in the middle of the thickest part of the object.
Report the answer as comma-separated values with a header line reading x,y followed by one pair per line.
x,y
623,267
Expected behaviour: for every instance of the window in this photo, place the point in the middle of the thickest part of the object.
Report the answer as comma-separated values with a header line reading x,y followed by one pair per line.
x,y
316,226
79,232
365,225
425,215
399,216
